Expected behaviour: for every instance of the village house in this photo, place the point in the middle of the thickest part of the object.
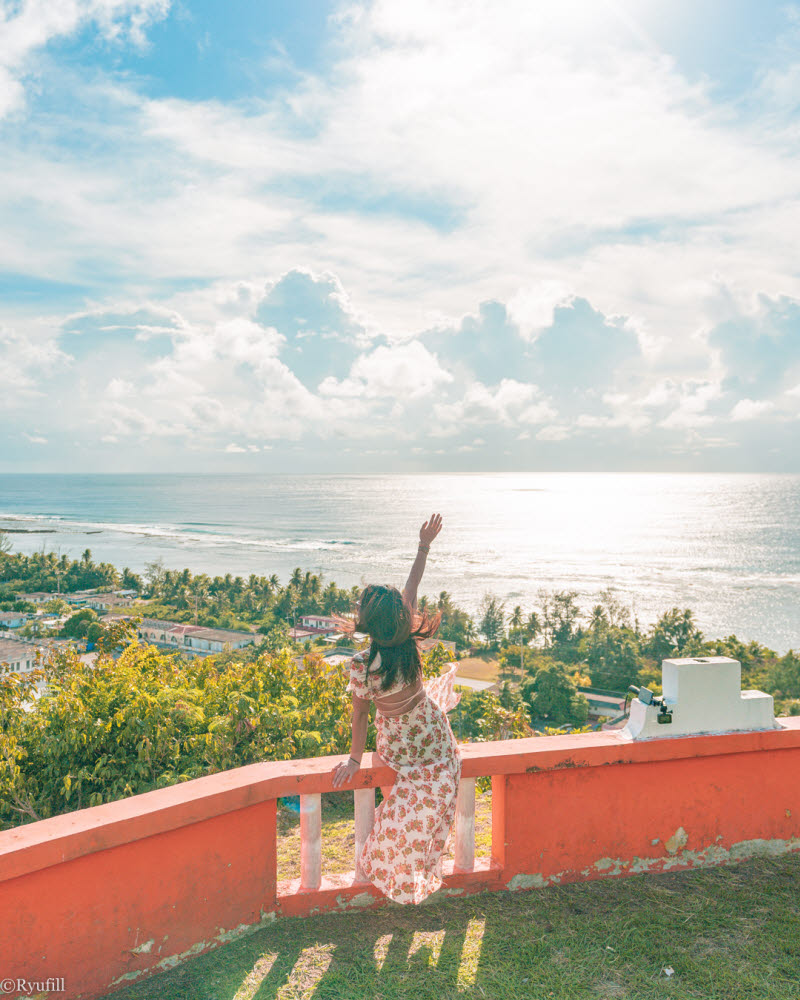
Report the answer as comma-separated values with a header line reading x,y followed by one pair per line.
x,y
603,704
19,656
319,624
78,599
13,619
36,597
194,639
305,634
106,602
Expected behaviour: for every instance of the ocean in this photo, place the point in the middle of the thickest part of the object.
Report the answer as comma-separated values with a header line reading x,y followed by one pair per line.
x,y
726,546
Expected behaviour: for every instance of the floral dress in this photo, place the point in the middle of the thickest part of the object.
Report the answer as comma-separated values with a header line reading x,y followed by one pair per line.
x,y
403,854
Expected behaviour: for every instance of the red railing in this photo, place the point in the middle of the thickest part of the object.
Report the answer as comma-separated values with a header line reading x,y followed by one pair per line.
x,y
104,896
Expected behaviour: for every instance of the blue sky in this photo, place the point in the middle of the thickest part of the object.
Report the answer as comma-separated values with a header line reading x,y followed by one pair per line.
x,y
418,236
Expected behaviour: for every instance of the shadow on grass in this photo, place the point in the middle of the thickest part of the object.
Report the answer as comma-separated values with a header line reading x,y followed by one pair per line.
x,y
726,934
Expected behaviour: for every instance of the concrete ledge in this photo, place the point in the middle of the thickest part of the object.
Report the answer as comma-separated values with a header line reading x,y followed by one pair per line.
x,y
72,835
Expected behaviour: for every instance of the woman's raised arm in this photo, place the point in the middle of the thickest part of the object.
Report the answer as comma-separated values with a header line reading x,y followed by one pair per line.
x,y
429,530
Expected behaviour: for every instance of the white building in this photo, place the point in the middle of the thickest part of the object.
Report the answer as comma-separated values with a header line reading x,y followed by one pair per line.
x,y
13,619
19,656
106,602
194,639
320,624
37,597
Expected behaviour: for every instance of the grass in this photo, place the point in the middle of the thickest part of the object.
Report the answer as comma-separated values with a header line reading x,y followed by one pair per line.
x,y
483,667
338,835
727,933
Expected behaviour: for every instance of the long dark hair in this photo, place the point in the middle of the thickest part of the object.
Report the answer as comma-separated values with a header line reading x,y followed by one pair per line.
x,y
394,629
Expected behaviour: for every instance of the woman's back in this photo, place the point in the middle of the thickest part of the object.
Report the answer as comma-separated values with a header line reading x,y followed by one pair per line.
x,y
395,700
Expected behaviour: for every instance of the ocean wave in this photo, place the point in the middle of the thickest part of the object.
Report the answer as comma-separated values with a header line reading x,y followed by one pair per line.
x,y
176,533
32,517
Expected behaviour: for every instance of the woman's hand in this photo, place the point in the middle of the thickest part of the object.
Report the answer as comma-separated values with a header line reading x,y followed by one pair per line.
x,y
343,773
430,529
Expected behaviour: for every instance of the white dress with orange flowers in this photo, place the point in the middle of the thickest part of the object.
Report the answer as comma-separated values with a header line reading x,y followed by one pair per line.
x,y
403,854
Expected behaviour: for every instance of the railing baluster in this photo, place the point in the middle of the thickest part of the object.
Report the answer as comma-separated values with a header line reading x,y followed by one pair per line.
x,y
365,820
465,826
310,841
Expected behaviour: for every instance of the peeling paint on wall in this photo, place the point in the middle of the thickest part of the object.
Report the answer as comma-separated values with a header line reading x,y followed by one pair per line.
x,y
362,900
568,762
534,881
678,840
170,961
710,856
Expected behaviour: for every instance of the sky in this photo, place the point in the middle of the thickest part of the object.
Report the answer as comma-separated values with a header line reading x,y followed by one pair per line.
x,y
417,236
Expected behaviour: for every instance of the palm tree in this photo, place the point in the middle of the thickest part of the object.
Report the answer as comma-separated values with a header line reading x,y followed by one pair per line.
x,y
516,627
598,619
330,598
197,591
533,627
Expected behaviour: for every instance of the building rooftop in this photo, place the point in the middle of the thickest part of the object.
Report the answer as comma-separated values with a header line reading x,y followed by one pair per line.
x,y
221,634
16,649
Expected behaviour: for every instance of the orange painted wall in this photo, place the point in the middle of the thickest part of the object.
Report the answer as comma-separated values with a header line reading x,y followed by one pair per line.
x,y
82,919
559,824
187,866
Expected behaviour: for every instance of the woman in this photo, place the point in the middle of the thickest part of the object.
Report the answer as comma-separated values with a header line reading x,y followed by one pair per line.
x,y
403,854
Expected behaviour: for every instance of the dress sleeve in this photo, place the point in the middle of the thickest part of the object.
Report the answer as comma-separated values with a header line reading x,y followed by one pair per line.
x,y
358,678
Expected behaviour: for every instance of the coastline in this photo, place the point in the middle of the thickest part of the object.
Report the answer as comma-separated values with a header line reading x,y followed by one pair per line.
x,y
727,546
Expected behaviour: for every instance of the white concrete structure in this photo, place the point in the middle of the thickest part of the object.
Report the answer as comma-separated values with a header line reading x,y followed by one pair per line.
x,y
704,695
319,623
20,657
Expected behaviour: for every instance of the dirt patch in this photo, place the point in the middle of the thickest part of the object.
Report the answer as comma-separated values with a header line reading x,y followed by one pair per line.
x,y
479,668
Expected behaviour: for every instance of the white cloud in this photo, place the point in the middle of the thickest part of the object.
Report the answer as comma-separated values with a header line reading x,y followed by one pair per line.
x,y
27,362
29,25
508,404
751,409
640,231
532,308
583,126
235,449
404,372
693,399
35,438
118,388
554,432
247,342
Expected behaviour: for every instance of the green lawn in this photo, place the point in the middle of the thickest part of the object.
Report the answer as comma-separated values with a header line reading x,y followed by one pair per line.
x,y
338,835
727,933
